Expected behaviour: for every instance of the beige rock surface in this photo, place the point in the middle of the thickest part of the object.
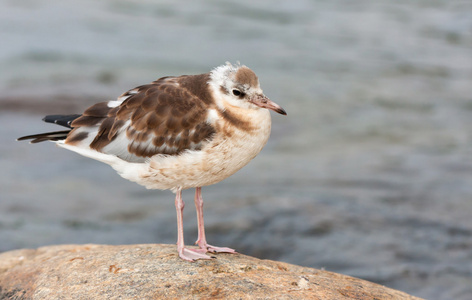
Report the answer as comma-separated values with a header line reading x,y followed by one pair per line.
x,y
153,271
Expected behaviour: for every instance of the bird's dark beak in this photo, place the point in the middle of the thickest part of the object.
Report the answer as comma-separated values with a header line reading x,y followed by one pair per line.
x,y
264,102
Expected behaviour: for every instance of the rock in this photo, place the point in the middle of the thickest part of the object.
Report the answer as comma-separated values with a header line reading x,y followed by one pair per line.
x,y
155,272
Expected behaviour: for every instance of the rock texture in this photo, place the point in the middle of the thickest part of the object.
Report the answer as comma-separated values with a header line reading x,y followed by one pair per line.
x,y
155,272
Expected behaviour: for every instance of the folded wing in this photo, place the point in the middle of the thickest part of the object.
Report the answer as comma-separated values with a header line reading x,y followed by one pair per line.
x,y
164,117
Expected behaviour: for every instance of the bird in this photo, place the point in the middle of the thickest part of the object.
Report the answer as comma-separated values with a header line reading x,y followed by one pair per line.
x,y
175,133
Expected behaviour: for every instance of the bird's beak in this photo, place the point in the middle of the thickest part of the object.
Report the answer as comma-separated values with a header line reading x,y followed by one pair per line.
x,y
264,102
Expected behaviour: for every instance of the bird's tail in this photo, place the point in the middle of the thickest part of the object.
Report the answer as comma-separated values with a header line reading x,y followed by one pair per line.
x,y
63,120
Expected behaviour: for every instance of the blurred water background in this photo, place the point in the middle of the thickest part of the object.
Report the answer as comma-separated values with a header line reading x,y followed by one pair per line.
x,y
369,175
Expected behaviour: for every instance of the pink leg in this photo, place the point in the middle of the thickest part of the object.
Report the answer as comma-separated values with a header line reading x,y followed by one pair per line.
x,y
201,227
184,253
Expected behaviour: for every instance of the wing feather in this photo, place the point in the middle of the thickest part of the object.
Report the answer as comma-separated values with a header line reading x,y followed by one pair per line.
x,y
167,116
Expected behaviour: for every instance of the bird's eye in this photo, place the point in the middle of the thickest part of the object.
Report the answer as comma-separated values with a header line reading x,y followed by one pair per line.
x,y
237,92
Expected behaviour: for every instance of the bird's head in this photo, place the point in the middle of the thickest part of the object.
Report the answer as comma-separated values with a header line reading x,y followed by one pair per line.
x,y
240,87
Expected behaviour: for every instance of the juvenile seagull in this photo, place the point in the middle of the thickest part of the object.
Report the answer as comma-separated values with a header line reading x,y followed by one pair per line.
x,y
175,133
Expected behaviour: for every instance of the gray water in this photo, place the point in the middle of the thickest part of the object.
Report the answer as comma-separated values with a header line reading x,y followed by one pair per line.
x,y
369,175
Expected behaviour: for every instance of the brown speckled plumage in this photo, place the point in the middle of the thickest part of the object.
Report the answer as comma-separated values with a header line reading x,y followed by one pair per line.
x,y
158,118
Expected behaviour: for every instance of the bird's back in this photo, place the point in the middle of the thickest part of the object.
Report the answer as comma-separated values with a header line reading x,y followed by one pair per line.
x,y
164,117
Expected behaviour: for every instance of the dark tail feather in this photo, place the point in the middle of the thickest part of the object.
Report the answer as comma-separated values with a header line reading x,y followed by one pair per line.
x,y
63,120
48,136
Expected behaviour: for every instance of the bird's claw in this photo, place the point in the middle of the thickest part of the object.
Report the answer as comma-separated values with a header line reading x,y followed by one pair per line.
x,y
213,249
193,254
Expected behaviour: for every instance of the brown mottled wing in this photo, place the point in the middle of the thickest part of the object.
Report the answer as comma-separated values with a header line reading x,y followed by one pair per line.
x,y
167,116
